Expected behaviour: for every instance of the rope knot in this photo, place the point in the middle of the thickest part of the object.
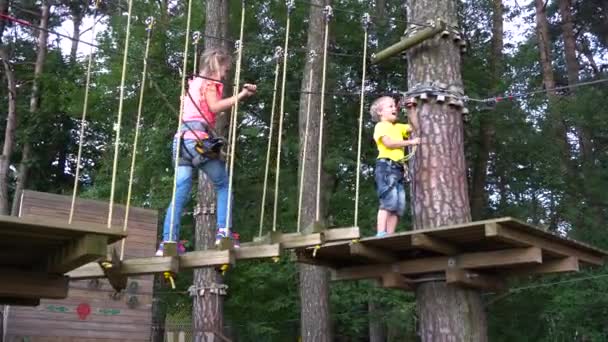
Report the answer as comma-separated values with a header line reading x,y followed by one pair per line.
x,y
196,37
291,5
238,45
328,12
366,20
278,52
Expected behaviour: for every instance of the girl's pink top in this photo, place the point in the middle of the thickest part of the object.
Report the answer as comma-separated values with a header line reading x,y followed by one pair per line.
x,y
199,110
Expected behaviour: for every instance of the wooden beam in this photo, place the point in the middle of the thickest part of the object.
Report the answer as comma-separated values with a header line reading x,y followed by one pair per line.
x,y
298,240
429,243
501,232
371,253
305,257
130,267
470,279
257,252
340,234
207,258
394,281
569,264
480,260
26,285
19,301
78,252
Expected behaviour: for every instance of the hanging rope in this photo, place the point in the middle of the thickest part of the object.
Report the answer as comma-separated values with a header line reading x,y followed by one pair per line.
x,y
83,120
196,37
149,25
327,11
311,56
179,122
290,7
366,22
278,53
120,107
234,118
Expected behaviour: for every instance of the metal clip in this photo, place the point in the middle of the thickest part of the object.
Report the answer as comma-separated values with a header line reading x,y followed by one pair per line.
x,y
196,37
149,23
328,12
312,54
278,52
238,45
366,20
291,5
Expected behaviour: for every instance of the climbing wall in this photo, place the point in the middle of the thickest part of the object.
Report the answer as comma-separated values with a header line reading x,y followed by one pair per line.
x,y
92,312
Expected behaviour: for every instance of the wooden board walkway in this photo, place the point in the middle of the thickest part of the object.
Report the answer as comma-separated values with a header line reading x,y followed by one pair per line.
x,y
478,254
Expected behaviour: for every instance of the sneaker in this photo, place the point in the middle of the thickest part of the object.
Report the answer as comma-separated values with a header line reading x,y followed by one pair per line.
x,y
236,242
181,247
381,234
161,250
221,234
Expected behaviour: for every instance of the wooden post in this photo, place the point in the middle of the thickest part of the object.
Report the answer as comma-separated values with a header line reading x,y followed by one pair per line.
x,y
439,185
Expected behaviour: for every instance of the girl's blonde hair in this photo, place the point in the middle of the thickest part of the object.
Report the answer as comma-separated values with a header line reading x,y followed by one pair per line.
x,y
212,60
377,105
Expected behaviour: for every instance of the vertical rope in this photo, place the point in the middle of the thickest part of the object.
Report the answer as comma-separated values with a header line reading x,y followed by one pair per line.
x,y
196,37
290,6
278,52
150,24
328,14
234,119
119,119
181,114
365,21
83,121
311,55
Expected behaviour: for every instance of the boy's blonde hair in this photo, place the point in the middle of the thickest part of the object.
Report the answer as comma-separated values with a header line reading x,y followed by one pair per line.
x,y
212,60
377,105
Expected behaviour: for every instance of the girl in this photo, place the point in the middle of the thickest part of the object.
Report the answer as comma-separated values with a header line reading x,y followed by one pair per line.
x,y
201,103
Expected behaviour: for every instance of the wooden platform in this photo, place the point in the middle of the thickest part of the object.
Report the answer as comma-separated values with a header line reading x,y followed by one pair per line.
x,y
478,254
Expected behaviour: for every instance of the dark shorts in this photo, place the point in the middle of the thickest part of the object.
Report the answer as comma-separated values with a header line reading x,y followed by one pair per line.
x,y
390,186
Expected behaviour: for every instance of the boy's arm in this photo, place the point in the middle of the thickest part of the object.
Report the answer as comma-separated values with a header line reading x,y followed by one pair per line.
x,y
392,143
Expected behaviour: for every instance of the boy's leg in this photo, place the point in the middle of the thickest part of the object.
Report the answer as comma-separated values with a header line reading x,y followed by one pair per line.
x,y
182,192
382,222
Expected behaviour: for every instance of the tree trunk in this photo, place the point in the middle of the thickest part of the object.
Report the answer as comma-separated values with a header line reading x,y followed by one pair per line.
x,y
487,129
77,14
439,186
11,118
208,310
377,328
34,101
314,280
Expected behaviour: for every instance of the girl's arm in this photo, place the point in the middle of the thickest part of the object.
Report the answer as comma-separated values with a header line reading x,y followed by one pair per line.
x,y
391,143
218,105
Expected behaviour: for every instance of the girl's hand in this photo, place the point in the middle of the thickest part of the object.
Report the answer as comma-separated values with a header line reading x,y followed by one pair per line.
x,y
248,90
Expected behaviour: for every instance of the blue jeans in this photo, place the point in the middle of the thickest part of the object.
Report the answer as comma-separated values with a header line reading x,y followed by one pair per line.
x,y
390,186
215,170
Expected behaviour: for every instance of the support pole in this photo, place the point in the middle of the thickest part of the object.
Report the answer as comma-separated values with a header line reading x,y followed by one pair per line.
x,y
409,42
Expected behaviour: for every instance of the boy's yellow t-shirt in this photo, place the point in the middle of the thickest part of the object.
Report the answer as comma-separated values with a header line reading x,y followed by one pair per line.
x,y
395,131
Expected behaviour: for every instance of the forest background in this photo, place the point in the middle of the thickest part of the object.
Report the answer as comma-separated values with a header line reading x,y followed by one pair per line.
x,y
540,157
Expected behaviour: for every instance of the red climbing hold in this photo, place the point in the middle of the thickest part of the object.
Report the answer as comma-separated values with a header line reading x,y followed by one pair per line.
x,y
83,310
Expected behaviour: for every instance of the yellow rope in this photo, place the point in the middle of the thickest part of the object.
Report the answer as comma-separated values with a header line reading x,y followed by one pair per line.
x,y
277,56
83,121
312,56
120,105
150,24
234,120
281,115
362,102
328,14
179,122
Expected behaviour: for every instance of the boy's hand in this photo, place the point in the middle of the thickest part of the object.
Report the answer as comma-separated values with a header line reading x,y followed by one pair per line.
x,y
414,141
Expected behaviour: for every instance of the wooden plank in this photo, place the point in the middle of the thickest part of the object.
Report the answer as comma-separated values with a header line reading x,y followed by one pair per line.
x,y
78,252
479,260
33,285
19,301
371,253
393,280
130,267
506,234
470,279
297,240
339,234
430,243
257,252
569,264
198,259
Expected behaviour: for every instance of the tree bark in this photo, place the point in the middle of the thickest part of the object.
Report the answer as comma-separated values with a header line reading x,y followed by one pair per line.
x,y
487,129
208,310
439,186
377,328
11,118
77,14
34,102
315,322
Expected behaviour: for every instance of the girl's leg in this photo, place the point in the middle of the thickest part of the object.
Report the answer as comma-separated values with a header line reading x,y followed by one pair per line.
x,y
216,171
182,192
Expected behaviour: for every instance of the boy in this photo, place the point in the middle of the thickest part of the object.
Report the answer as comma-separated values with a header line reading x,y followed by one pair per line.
x,y
389,137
